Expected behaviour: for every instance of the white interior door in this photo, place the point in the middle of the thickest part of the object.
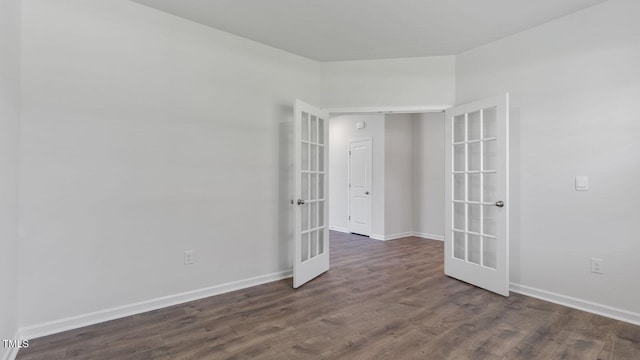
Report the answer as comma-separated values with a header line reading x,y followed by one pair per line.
x,y
360,186
311,236
477,189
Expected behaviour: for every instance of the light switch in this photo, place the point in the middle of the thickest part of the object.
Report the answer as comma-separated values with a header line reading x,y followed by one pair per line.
x,y
582,183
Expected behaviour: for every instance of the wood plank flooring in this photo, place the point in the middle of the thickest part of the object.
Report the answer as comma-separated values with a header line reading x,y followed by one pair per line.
x,y
380,300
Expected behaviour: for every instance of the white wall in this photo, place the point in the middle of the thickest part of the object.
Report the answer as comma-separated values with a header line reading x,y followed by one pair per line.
x,y
398,175
575,85
9,120
391,82
145,135
428,175
341,130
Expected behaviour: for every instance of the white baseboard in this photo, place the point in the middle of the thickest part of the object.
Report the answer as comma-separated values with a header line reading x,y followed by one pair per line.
x,y
429,236
398,236
406,234
10,353
580,304
339,229
57,326
393,236
13,354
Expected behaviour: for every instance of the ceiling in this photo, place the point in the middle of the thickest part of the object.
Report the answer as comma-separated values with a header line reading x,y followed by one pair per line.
x,y
333,30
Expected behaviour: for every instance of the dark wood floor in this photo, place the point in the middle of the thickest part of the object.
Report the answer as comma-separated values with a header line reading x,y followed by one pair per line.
x,y
379,300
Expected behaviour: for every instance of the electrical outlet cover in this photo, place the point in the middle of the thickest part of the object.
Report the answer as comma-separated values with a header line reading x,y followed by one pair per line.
x,y
188,257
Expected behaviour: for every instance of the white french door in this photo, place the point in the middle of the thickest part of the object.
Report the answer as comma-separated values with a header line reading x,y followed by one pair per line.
x,y
360,186
477,189
311,236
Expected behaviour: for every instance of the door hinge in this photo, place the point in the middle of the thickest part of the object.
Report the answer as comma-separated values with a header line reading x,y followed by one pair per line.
x,y
349,152
349,217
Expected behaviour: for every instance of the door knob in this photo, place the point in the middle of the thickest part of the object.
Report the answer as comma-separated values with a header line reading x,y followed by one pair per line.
x,y
500,203
300,202
366,193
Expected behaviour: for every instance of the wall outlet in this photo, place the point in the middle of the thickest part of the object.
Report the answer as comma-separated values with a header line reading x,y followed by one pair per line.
x,y
188,257
597,266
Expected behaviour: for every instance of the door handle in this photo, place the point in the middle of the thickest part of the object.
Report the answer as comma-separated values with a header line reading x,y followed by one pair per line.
x,y
366,193
500,203
300,202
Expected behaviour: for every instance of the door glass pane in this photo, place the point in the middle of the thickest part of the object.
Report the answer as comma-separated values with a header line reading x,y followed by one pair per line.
x,y
489,123
490,155
313,218
304,181
304,249
490,252
321,241
490,188
474,187
489,220
313,187
314,129
313,245
474,156
320,186
321,131
320,158
304,219
458,158
304,158
459,187
458,128
458,217
474,218
305,126
459,245
474,125
321,213
314,158
473,243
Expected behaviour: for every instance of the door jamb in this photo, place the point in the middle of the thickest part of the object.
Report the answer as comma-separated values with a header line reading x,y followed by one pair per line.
x,y
386,110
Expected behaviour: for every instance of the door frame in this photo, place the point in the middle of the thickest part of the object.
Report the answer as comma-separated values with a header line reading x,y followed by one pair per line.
x,y
419,109
387,110
351,141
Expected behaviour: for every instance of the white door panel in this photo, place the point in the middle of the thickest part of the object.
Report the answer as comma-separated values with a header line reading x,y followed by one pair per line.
x,y
311,236
359,206
477,189
360,186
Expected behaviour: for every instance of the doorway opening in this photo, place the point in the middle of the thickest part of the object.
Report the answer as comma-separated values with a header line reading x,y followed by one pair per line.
x,y
386,174
475,146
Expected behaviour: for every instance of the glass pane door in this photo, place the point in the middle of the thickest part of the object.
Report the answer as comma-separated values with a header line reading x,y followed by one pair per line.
x,y
477,189
312,179
311,234
474,188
